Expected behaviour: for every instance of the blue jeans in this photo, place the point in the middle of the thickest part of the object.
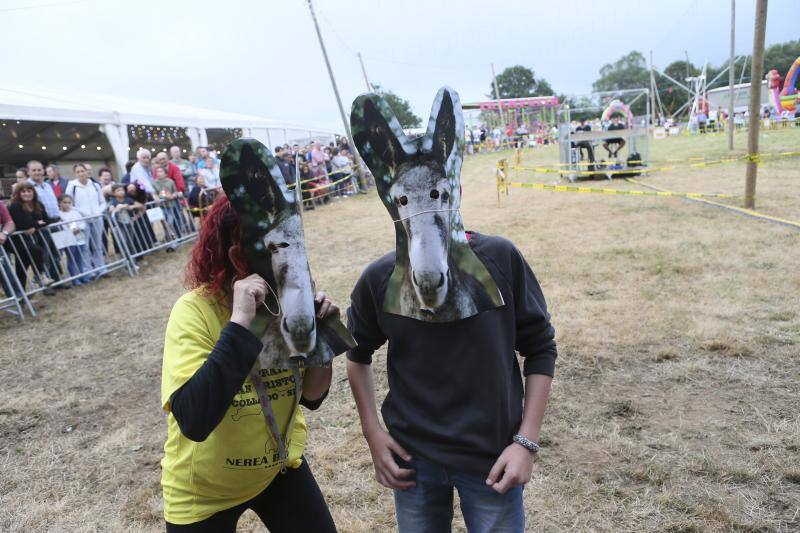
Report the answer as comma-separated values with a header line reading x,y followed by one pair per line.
x,y
428,507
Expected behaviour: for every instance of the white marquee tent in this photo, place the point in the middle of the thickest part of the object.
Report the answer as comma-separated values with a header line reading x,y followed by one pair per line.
x,y
113,116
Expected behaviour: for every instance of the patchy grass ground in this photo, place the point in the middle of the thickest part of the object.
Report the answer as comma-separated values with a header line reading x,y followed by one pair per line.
x,y
675,405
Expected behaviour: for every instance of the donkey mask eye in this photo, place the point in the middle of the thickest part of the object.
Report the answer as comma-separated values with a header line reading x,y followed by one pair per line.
x,y
273,247
445,196
403,200
434,194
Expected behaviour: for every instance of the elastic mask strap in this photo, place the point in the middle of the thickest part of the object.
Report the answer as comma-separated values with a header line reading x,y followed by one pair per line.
x,y
423,212
277,300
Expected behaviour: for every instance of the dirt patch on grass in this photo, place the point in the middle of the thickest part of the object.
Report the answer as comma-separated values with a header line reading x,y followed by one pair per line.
x,y
674,406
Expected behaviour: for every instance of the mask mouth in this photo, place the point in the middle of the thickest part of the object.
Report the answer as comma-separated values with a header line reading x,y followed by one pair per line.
x,y
431,287
299,332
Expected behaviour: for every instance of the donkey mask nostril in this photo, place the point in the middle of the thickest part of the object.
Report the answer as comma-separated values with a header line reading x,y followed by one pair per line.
x,y
441,280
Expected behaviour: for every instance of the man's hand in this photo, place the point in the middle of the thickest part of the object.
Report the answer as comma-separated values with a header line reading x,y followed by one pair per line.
x,y
387,472
3,238
513,467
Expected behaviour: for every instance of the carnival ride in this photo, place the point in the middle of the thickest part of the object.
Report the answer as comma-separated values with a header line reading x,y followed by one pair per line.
x,y
532,111
785,98
635,134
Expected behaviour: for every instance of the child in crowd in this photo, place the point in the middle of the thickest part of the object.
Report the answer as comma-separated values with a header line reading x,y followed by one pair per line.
x,y
126,211
78,258
168,194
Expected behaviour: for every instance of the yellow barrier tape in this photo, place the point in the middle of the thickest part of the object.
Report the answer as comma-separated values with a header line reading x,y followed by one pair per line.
x,y
699,161
740,210
629,192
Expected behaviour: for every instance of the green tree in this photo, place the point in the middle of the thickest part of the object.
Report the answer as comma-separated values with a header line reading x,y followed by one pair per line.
x,y
781,56
400,106
520,82
628,72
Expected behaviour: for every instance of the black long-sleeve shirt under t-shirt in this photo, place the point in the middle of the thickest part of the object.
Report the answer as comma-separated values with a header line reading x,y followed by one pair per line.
x,y
455,389
199,405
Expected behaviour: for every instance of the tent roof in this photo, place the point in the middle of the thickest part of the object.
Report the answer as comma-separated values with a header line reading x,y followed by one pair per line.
x,y
18,102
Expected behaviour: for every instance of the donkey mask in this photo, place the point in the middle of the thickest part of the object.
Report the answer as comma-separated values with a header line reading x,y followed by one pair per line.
x,y
273,243
436,277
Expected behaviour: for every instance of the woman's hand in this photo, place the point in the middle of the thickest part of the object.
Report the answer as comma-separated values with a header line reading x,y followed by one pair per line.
x,y
324,306
248,294
30,231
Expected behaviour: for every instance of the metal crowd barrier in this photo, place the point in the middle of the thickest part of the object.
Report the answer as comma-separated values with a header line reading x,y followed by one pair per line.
x,y
164,224
79,251
13,297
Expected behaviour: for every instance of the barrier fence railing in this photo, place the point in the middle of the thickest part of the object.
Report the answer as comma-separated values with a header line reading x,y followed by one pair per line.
x,y
13,298
163,224
78,251
70,252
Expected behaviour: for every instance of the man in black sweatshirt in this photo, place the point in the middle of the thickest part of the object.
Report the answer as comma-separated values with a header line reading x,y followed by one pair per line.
x,y
457,415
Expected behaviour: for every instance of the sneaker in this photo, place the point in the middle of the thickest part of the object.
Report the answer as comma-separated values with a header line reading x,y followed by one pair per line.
x,y
45,280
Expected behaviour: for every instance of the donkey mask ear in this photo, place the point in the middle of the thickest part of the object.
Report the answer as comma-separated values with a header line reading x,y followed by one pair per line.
x,y
444,132
375,137
249,183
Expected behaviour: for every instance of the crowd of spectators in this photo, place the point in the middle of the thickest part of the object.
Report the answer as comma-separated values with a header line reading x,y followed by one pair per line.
x,y
42,197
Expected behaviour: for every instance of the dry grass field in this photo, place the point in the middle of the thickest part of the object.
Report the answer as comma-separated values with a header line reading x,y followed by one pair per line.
x,y
676,403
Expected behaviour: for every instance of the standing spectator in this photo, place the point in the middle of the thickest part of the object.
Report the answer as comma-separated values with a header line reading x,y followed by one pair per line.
x,y
210,171
199,196
317,157
43,189
125,211
183,165
90,171
126,178
29,217
21,175
106,181
88,199
45,194
171,170
141,174
340,165
144,229
56,180
78,259
287,167
203,155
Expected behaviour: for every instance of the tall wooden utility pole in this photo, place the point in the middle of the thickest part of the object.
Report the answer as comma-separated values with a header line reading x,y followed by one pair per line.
x,y
497,97
756,71
345,122
364,71
731,76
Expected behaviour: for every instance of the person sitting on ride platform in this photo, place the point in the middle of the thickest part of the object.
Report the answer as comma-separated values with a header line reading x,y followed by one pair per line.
x,y
619,142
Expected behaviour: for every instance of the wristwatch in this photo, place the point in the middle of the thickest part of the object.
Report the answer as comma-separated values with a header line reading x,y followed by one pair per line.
x,y
526,443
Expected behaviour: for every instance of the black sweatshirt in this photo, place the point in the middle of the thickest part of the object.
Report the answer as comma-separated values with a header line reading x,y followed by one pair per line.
x,y
199,405
455,389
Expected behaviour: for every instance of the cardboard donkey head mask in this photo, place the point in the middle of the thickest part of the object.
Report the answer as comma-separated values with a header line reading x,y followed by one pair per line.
x,y
274,244
436,277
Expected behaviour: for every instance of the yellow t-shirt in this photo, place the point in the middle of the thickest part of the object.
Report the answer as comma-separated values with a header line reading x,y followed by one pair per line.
x,y
239,458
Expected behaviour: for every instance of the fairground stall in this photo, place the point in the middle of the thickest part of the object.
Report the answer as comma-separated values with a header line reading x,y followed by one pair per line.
x,y
531,117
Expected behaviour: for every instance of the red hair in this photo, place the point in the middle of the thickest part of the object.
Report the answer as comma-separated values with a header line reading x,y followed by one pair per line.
x,y
217,256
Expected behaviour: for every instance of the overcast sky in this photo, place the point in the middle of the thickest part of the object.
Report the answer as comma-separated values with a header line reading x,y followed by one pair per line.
x,y
262,57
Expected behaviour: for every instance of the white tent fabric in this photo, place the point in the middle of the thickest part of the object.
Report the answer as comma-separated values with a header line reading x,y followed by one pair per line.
x,y
115,114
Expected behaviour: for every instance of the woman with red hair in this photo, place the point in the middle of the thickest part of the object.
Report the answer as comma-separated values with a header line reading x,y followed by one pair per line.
x,y
219,458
